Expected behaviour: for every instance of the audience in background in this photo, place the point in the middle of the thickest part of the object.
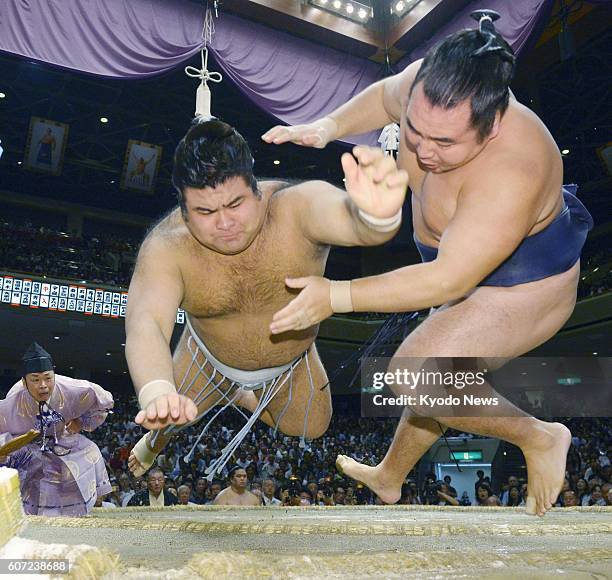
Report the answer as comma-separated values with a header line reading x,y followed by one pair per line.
x,y
109,258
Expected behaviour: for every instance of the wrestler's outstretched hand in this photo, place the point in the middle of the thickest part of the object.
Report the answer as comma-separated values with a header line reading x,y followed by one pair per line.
x,y
373,181
309,307
316,134
172,409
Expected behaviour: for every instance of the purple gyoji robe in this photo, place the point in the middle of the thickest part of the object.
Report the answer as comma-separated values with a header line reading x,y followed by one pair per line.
x,y
54,485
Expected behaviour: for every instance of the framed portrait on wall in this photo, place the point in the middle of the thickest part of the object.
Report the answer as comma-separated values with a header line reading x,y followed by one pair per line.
x,y
46,145
140,166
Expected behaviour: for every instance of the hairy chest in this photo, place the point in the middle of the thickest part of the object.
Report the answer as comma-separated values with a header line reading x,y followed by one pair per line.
x,y
250,283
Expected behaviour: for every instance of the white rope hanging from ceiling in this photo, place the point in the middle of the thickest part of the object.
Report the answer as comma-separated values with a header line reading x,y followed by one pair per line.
x,y
203,95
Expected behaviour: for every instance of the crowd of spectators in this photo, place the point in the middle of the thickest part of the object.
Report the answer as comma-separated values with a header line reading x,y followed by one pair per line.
x,y
109,258
283,470
39,250
596,273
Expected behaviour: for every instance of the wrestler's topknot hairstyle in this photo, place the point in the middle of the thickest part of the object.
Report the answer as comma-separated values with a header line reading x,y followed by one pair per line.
x,y
210,153
456,70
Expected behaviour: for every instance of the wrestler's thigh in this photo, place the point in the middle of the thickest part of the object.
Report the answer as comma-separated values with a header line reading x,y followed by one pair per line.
x,y
319,416
192,375
490,323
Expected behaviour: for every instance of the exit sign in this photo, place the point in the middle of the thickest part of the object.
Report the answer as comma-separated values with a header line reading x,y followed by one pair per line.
x,y
466,455
569,381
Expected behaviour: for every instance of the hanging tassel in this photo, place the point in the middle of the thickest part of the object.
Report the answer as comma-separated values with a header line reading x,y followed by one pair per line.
x,y
203,95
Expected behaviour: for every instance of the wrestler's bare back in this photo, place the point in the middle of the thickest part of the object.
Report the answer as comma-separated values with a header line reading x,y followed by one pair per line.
x,y
231,298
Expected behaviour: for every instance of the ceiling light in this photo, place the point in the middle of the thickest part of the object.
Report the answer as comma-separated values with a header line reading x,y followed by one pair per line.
x,y
349,9
399,6
276,162
595,353
565,152
2,95
362,13
103,120
56,338
108,354
337,4
109,371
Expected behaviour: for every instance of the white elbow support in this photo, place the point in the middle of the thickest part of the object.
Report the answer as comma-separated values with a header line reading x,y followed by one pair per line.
x,y
381,224
340,296
154,389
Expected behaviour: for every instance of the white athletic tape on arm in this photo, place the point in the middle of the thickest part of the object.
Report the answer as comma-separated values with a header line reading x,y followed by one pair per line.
x,y
154,389
381,224
340,296
145,456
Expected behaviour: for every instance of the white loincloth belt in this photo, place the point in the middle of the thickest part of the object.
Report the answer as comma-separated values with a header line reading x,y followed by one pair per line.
x,y
269,380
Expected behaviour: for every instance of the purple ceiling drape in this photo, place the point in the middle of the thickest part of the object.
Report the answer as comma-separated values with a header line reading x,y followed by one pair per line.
x,y
520,22
111,38
293,79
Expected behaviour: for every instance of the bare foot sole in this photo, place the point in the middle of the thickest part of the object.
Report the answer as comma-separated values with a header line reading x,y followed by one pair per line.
x,y
546,457
370,476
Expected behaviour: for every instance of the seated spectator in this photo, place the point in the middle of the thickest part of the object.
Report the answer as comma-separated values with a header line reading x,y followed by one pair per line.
x,y
125,489
339,496
325,495
305,498
445,496
199,495
237,492
183,492
483,493
155,494
569,498
451,490
492,501
512,482
596,497
269,491
514,497
213,491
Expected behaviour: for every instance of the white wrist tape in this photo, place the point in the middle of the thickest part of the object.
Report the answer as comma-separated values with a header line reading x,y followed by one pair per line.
x,y
340,296
381,224
154,389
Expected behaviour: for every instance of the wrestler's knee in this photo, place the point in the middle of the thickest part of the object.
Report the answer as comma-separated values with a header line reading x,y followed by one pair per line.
x,y
317,428
316,425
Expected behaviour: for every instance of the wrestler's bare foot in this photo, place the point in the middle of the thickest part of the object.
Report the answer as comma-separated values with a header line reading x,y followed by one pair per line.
x,y
546,455
134,465
373,477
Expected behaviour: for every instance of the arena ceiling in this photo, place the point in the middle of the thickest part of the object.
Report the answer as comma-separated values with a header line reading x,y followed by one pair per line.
x,y
572,97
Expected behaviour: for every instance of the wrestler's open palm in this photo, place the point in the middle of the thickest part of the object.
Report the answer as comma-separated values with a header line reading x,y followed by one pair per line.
x,y
374,182
316,134
308,308
172,409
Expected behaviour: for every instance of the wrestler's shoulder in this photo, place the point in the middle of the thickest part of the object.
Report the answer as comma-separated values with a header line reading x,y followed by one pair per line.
x,y
168,231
